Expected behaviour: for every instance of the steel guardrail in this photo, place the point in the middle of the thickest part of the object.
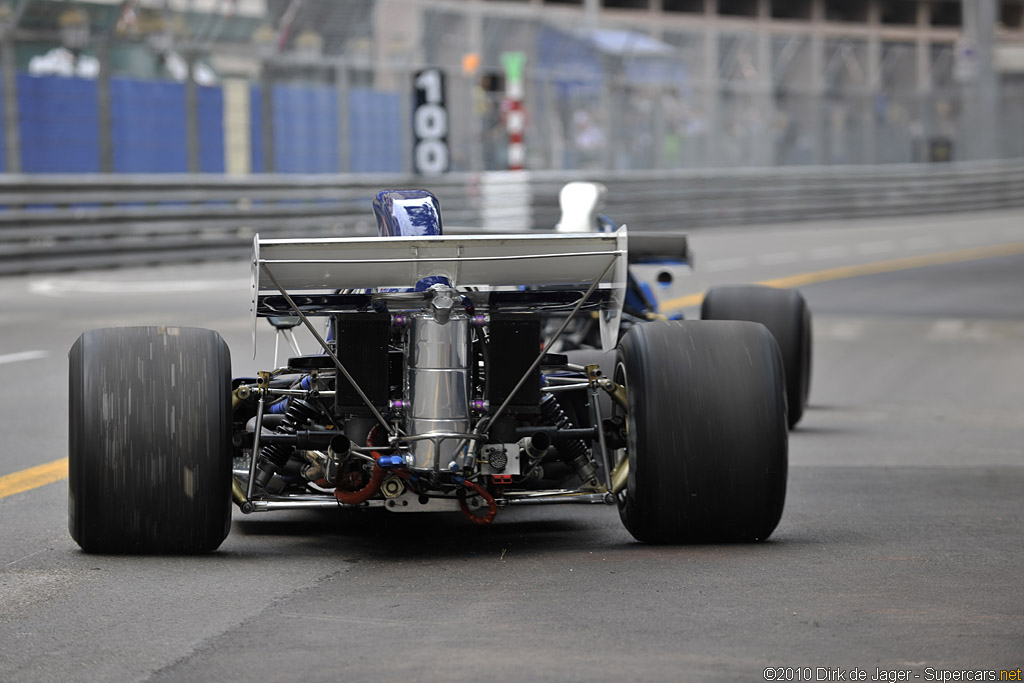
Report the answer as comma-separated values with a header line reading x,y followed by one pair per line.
x,y
58,222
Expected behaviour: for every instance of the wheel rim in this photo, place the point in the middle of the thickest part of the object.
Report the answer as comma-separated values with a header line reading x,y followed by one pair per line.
x,y
622,499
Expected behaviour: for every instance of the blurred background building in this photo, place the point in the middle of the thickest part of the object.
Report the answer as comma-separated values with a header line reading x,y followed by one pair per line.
x,y
326,86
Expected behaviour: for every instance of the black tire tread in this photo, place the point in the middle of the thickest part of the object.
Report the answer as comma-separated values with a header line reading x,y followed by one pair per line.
x,y
786,315
708,437
149,440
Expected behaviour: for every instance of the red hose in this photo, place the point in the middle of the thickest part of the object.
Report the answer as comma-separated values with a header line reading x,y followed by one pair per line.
x,y
492,507
372,487
377,478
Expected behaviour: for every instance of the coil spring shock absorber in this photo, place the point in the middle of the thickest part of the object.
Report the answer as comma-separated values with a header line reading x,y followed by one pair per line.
x,y
575,451
274,456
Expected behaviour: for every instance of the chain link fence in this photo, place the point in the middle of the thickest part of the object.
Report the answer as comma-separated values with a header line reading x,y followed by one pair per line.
x,y
292,86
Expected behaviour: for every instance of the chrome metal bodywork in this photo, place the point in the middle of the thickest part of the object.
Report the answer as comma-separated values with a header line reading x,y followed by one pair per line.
x,y
437,386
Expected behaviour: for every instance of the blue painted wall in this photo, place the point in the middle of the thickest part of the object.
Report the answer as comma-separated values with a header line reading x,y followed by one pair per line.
x,y
60,127
59,124
3,157
211,129
375,131
148,126
305,129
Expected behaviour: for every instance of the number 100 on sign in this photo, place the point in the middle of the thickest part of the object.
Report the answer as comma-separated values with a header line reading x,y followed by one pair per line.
x,y
430,122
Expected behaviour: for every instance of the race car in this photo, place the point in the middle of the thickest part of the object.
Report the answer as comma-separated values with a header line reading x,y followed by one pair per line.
x,y
666,256
436,387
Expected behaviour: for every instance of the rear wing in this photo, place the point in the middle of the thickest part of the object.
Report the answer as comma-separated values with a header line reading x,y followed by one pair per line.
x,y
559,262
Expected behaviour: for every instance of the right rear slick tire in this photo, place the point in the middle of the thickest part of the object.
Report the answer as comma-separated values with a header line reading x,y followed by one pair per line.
x,y
149,440
708,437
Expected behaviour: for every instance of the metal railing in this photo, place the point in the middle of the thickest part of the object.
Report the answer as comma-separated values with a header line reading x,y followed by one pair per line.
x,y
55,222
686,199
59,222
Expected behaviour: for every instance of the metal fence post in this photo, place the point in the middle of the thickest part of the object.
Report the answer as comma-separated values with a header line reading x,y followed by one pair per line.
x,y
610,124
341,92
267,115
12,135
191,115
553,136
405,118
104,133
874,83
712,86
658,124
764,142
818,155
979,19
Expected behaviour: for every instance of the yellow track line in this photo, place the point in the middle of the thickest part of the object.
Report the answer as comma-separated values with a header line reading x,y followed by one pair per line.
x,y
874,268
33,477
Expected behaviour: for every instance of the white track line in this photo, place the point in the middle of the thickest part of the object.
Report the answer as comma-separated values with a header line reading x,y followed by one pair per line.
x,y
824,253
1013,232
23,356
718,265
922,243
880,247
58,287
778,258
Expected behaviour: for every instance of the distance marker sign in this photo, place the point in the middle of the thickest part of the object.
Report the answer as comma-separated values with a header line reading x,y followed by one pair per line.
x,y
430,123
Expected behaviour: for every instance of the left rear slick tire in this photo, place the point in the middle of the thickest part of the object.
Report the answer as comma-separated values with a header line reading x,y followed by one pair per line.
x,y
149,440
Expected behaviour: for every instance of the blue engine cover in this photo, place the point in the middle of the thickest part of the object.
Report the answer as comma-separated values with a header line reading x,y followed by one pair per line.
x,y
407,213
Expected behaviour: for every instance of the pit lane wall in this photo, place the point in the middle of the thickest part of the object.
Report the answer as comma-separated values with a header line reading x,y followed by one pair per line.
x,y
57,222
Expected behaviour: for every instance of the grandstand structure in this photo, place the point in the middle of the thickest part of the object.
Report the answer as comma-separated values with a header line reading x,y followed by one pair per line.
x,y
325,86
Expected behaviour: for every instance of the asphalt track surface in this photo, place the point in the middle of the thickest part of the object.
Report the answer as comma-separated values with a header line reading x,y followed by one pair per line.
x,y
901,547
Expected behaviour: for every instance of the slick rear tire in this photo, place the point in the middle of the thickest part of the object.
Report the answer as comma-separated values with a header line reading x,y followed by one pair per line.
x,y
784,312
149,440
707,442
